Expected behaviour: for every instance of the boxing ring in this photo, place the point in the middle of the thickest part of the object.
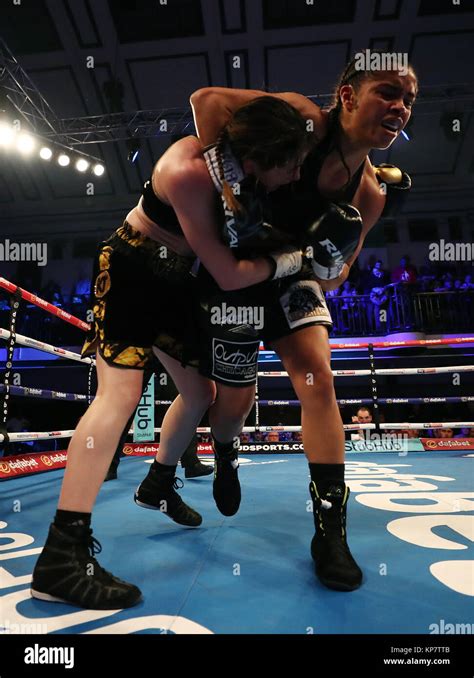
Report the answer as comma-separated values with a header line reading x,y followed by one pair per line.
x,y
411,527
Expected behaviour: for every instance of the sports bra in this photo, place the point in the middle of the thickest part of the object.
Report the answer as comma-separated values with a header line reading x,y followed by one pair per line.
x,y
161,214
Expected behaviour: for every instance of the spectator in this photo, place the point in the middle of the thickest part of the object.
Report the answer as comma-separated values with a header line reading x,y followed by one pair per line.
x,y
444,433
376,277
378,304
362,416
52,292
405,273
82,288
445,286
273,437
404,277
348,306
467,283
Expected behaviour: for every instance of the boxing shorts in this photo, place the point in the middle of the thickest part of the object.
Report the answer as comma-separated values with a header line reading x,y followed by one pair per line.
x,y
141,290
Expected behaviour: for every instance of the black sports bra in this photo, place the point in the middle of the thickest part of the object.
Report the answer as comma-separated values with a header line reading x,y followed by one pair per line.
x,y
161,214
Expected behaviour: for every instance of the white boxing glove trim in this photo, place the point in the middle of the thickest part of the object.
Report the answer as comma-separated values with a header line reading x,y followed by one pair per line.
x,y
327,272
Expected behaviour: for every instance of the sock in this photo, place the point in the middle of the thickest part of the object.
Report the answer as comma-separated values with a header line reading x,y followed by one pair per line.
x,y
163,468
325,474
64,519
223,449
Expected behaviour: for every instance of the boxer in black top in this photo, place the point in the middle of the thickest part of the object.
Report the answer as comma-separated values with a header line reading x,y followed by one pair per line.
x,y
369,110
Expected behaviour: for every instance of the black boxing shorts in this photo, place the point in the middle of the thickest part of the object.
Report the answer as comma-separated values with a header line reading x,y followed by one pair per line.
x,y
141,290
232,324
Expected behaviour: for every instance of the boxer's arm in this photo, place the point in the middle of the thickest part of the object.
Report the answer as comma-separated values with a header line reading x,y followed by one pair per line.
x,y
214,106
191,194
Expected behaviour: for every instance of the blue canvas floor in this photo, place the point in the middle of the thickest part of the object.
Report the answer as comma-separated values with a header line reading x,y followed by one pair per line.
x,y
252,573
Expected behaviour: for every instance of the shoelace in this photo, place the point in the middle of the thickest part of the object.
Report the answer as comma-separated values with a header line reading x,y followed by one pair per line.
x,y
334,521
177,483
93,545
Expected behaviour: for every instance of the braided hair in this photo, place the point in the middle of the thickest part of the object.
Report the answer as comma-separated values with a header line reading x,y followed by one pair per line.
x,y
227,192
354,77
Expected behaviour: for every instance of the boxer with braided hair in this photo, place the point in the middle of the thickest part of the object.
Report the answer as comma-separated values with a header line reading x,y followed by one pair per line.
x,y
329,211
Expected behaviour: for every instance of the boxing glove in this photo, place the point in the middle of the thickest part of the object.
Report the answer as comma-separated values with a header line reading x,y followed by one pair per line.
x,y
395,184
332,239
246,229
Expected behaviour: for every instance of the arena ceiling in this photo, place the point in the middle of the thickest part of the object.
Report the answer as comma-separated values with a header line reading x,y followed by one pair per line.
x,y
152,55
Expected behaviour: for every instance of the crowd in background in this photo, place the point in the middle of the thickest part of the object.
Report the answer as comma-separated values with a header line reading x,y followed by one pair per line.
x,y
368,292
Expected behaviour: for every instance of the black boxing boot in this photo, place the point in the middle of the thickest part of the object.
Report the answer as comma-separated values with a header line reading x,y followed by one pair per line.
x,y
226,485
158,492
67,572
334,564
193,468
198,470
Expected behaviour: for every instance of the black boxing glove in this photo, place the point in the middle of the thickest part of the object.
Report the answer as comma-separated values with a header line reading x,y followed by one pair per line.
x,y
332,239
246,229
249,229
395,184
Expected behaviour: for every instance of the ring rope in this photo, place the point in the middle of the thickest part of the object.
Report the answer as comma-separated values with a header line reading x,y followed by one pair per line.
x,y
47,348
45,305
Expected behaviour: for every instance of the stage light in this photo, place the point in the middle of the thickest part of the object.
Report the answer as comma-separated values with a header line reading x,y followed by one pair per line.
x,y
46,153
25,143
82,165
99,170
64,160
7,134
133,147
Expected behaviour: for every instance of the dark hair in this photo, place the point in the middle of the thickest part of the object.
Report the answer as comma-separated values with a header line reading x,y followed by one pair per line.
x,y
364,408
268,131
355,77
